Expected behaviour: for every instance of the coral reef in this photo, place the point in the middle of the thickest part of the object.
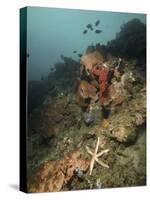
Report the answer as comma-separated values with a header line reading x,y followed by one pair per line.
x,y
69,119
119,90
60,121
123,124
52,175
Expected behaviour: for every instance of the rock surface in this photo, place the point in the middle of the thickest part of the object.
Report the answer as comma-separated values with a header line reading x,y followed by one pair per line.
x,y
58,127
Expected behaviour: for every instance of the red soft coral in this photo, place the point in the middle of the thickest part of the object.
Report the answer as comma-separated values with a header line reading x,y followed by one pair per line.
x,y
102,73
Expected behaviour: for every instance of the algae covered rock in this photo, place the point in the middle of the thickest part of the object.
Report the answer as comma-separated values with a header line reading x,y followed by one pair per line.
x,y
117,93
123,124
123,129
93,116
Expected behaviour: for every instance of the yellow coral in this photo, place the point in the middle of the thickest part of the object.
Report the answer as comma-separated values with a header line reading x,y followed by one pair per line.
x,y
91,59
105,123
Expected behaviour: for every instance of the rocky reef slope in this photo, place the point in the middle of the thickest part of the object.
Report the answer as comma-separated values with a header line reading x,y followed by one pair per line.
x,y
59,126
89,130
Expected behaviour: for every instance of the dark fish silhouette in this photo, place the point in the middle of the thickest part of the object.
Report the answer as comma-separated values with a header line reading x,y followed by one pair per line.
x,y
79,55
74,51
52,69
85,31
97,22
98,31
89,26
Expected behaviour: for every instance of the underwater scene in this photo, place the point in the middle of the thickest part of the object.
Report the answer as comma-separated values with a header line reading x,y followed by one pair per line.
x,y
86,125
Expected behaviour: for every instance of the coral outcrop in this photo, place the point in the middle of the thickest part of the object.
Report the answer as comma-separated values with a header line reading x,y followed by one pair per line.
x,y
86,92
91,59
52,175
102,72
117,93
59,126
123,124
119,90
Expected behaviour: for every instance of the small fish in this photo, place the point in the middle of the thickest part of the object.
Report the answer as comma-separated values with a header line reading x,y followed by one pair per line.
x,y
97,22
52,69
89,26
80,55
85,31
74,51
98,31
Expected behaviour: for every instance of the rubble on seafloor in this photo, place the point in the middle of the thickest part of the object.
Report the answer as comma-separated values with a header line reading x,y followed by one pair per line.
x,y
65,123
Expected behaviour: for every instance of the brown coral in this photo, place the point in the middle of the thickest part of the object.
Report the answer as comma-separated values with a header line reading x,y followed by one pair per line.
x,y
52,175
85,91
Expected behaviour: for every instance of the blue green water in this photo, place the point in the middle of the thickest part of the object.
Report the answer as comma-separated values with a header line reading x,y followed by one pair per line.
x,y
54,32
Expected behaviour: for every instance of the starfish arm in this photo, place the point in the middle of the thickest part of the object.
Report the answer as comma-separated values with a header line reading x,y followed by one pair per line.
x,y
102,152
97,145
95,156
92,165
89,151
101,163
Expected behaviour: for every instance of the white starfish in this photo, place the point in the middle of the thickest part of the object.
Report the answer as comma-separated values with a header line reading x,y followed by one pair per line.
x,y
96,155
